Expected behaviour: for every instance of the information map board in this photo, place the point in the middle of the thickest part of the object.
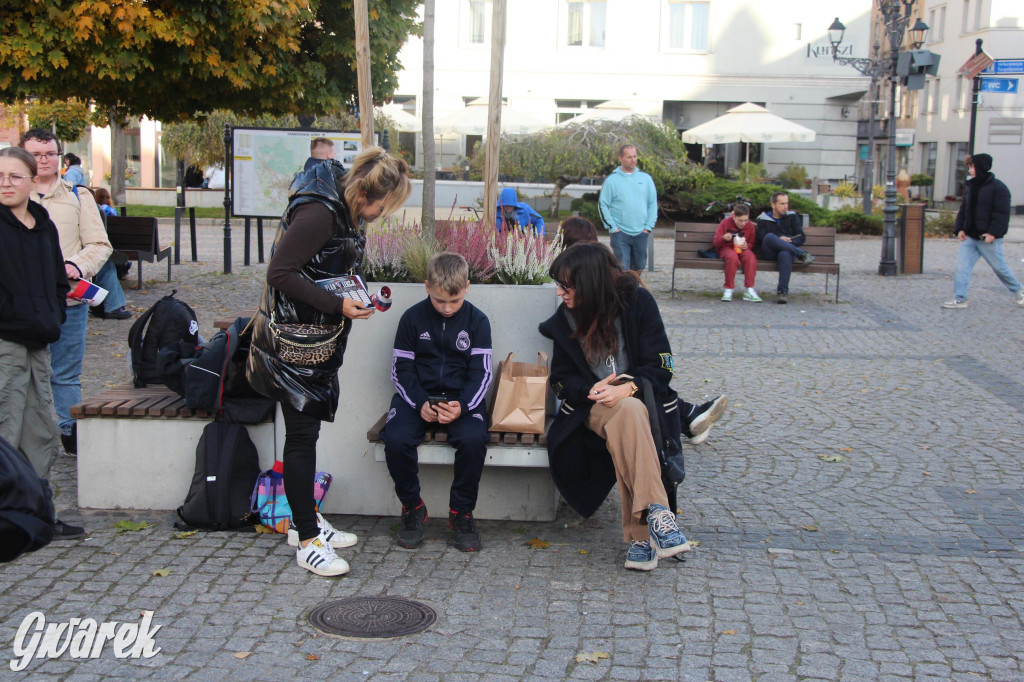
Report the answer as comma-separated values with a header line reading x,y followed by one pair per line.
x,y
265,160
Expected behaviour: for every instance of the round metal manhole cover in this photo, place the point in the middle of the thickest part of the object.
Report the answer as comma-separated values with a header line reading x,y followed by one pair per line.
x,y
379,617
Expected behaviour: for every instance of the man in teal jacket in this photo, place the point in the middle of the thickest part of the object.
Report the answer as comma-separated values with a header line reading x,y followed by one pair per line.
x,y
629,208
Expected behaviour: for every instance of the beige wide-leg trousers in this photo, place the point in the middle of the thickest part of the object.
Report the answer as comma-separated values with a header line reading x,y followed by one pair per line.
x,y
626,429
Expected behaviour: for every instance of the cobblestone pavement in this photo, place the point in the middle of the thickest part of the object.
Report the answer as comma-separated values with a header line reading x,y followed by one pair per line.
x,y
901,560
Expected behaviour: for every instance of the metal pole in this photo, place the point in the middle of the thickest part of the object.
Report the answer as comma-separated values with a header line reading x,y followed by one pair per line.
x,y
869,163
887,264
179,209
975,89
227,199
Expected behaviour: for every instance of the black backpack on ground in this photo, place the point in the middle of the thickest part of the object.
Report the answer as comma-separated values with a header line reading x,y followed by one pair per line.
x,y
167,322
227,467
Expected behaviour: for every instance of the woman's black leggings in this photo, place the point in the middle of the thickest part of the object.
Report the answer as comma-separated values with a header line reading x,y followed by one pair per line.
x,y
301,433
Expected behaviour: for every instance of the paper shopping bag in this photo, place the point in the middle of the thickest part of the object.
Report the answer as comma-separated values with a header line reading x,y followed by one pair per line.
x,y
520,399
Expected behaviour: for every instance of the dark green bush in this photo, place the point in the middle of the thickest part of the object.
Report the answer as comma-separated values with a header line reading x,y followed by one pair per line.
x,y
941,225
921,180
849,221
689,206
587,207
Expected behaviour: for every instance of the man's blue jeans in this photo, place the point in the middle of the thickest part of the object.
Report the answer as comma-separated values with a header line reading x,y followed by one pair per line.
x,y
774,247
66,355
966,258
107,278
631,250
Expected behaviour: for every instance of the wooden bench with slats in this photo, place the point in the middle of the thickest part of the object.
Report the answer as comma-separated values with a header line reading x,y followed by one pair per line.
x,y
124,400
693,237
436,433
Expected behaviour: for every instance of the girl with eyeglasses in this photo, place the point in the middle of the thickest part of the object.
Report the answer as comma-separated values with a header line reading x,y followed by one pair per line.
x,y
33,290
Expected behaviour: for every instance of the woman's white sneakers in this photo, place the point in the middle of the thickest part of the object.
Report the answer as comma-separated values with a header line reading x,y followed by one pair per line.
x,y
319,556
333,537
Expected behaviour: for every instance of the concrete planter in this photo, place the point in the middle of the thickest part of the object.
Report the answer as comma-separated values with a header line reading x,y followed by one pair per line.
x,y
361,482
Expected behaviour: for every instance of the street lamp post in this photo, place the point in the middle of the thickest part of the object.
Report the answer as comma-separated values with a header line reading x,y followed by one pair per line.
x,y
896,14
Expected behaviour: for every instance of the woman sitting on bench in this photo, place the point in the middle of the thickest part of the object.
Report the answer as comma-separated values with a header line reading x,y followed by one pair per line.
x,y
609,345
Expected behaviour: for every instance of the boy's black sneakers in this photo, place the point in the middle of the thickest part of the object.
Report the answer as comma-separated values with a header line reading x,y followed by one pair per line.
x,y
410,535
70,441
464,525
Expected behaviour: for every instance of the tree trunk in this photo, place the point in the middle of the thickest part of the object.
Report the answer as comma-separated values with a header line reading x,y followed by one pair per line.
x,y
118,159
363,83
494,113
556,196
427,118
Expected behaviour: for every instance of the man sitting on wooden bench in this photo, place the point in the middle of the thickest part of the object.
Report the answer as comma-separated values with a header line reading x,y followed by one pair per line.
x,y
442,370
780,234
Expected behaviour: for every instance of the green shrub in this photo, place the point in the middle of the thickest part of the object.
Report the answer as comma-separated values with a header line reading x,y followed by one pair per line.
x,y
587,207
849,221
941,225
689,206
845,189
793,176
751,172
921,180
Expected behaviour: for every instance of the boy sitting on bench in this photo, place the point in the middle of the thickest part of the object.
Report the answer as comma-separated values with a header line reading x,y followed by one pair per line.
x,y
441,368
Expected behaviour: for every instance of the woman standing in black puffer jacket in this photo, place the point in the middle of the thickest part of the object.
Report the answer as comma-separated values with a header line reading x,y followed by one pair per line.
x,y
320,237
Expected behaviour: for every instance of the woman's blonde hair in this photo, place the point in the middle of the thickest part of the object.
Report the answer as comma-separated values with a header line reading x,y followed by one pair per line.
x,y
376,175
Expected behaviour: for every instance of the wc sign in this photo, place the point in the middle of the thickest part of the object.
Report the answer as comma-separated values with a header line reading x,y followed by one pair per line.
x,y
81,638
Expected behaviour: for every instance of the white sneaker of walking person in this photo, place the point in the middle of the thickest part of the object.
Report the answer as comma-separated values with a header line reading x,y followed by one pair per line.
x,y
332,536
319,557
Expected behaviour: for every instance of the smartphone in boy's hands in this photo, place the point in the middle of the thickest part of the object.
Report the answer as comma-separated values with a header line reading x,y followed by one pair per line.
x,y
435,399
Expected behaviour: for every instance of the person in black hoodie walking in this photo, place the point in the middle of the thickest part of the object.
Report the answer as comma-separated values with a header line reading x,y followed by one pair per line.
x,y
981,224
33,305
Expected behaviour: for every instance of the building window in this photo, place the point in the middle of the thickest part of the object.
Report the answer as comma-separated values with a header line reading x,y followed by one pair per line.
x,y
685,26
936,93
585,23
957,168
937,24
568,109
931,150
476,22
964,17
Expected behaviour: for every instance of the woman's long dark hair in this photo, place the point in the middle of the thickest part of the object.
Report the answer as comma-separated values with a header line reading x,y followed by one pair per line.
x,y
600,289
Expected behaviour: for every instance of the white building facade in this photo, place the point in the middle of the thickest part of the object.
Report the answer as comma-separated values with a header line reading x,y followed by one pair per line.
x,y
687,61
944,107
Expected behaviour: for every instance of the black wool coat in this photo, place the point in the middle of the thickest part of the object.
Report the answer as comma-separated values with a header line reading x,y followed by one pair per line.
x,y
580,463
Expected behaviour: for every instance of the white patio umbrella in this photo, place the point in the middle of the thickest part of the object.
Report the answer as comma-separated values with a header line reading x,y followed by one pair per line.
x,y
615,110
748,122
404,121
472,120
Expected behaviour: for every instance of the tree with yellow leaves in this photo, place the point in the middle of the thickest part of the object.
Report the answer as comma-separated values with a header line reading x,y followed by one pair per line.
x,y
168,59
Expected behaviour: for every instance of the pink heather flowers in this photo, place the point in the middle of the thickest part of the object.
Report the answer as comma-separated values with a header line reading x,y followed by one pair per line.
x,y
510,257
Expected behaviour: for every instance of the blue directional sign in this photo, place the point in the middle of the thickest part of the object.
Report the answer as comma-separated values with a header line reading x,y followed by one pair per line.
x,y
1004,85
1001,66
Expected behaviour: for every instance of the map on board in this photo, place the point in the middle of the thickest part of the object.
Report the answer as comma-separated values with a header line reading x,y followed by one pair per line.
x,y
264,161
